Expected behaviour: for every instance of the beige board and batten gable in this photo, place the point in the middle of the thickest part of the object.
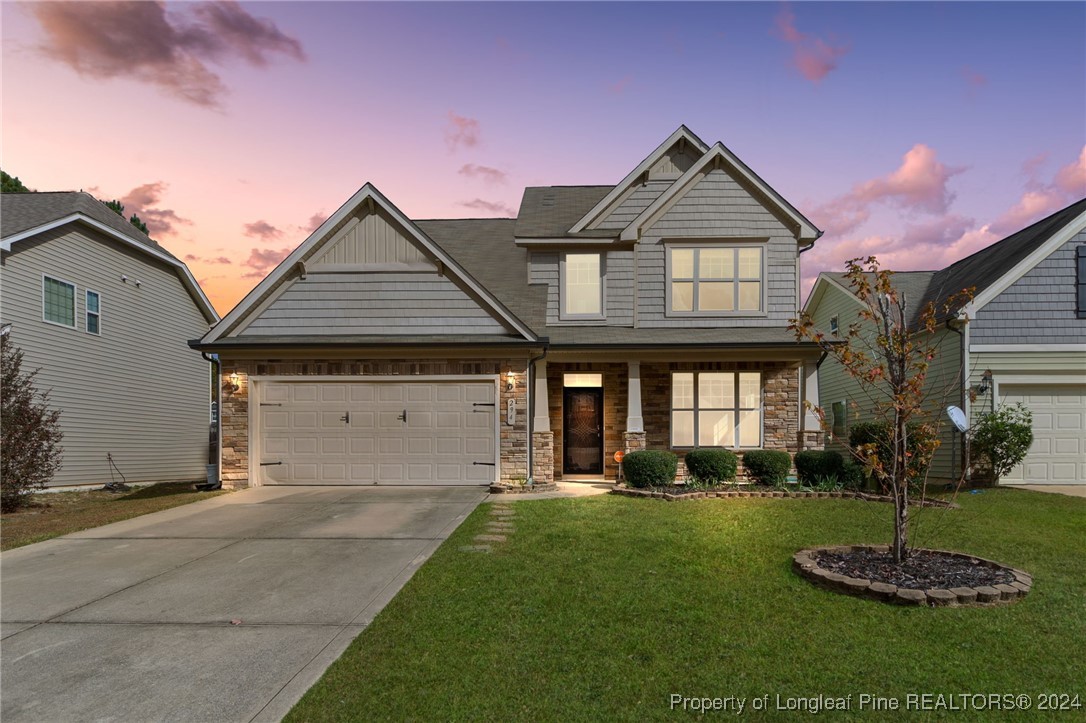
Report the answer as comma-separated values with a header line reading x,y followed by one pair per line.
x,y
134,390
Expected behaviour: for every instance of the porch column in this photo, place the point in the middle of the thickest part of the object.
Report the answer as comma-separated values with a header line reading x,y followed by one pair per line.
x,y
541,422
811,429
634,421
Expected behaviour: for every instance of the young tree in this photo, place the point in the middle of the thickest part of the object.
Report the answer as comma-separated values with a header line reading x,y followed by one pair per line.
x,y
1002,438
116,206
11,184
138,223
30,452
888,351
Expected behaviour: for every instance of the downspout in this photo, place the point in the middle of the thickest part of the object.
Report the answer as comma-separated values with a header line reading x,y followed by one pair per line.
x,y
217,483
962,330
531,410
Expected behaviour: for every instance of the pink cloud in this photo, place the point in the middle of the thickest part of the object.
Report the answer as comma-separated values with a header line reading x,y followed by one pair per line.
x,y
263,260
142,41
974,79
491,207
813,57
143,201
461,131
918,184
619,86
315,221
1071,179
484,173
262,230
216,260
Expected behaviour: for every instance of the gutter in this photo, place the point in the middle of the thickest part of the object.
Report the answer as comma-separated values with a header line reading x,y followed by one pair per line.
x,y
216,484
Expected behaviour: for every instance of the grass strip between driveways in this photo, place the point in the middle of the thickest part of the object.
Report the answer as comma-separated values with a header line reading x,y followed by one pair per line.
x,y
54,514
602,608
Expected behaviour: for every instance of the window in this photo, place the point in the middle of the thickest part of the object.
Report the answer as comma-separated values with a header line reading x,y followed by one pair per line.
x,y
94,313
715,280
1080,278
840,419
716,409
58,302
835,325
582,380
582,286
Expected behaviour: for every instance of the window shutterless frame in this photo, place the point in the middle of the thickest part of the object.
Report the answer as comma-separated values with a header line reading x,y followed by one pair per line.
x,y
93,312
58,301
692,408
574,269
1080,281
708,275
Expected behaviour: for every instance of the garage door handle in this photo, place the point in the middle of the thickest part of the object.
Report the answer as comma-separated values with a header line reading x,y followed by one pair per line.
x,y
485,464
270,464
403,417
346,417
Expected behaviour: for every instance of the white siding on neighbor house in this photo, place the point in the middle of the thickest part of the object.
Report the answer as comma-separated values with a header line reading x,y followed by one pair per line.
x,y
944,388
1038,308
715,208
373,303
543,268
137,390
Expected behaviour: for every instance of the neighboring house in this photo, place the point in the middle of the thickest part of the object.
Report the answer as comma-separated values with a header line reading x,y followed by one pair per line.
x,y
105,313
1022,339
654,313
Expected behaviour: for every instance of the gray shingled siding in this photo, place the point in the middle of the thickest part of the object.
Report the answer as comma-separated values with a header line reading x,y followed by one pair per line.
x,y
633,205
618,294
717,207
385,303
674,164
136,391
1039,308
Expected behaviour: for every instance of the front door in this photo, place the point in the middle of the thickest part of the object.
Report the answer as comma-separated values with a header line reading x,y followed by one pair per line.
x,y
582,436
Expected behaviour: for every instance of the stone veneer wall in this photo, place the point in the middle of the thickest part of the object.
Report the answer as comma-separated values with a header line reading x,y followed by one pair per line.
x,y
235,406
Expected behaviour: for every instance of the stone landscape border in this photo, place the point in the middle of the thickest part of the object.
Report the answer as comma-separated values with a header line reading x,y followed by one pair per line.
x,y
804,564
705,494
503,488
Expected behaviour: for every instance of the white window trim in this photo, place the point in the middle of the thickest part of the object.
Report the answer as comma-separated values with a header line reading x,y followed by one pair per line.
x,y
87,312
75,304
737,409
835,325
762,244
562,314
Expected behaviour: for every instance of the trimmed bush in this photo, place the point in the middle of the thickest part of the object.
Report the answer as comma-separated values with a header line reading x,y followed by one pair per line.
x,y
814,466
767,466
1003,438
650,468
30,452
852,475
711,466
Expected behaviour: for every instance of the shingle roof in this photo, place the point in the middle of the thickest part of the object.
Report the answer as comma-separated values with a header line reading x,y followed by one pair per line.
x,y
23,211
550,211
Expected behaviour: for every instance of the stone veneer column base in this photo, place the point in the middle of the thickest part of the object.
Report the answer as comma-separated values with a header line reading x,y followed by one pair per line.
x,y
811,440
635,441
543,458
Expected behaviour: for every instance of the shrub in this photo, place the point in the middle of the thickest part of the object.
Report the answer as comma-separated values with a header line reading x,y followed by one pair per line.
x,y
711,466
767,466
650,468
1002,438
812,466
30,452
880,435
852,475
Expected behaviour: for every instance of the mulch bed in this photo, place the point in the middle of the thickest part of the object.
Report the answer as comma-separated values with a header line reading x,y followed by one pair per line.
x,y
922,570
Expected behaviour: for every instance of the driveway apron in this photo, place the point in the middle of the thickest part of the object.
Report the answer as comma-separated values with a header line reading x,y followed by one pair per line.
x,y
227,609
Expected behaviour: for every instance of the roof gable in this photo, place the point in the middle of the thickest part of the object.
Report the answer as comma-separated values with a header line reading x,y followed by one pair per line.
x,y
720,157
368,242
670,159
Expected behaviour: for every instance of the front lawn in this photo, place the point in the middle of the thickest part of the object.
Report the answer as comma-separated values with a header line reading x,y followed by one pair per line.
x,y
602,608
52,514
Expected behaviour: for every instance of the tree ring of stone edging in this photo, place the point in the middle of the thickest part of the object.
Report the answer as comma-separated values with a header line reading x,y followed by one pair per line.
x,y
724,493
805,564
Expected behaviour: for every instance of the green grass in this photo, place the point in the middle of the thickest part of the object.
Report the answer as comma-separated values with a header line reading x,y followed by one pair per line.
x,y
53,514
600,608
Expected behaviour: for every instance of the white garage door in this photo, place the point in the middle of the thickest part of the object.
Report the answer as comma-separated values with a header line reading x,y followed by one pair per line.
x,y
358,433
1058,454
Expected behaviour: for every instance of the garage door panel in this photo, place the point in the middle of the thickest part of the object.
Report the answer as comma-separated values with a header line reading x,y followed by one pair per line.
x,y
443,438
1059,433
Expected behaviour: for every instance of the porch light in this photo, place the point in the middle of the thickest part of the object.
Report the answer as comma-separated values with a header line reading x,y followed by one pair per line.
x,y
985,382
235,382
510,380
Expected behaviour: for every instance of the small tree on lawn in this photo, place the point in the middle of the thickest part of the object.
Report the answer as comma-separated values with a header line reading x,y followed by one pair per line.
x,y
889,354
30,451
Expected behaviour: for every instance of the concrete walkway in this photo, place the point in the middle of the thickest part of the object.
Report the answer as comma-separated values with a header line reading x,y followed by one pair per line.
x,y
227,609
1069,490
565,489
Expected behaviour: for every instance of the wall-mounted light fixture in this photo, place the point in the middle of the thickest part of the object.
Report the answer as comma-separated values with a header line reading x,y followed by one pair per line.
x,y
510,380
233,384
985,382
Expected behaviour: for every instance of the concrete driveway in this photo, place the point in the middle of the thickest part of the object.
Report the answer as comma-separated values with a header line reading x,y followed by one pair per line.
x,y
228,609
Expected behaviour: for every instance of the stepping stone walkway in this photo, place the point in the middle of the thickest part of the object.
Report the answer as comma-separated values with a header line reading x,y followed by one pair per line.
x,y
498,529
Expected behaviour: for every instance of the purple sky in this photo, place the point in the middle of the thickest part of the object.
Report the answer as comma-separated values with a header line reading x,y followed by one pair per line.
x,y
918,132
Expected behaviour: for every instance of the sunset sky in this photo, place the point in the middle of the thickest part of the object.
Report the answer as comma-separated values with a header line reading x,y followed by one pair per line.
x,y
919,132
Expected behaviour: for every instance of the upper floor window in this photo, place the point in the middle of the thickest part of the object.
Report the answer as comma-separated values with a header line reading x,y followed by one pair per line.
x,y
715,280
838,420
58,302
716,409
1080,278
94,312
582,286
835,325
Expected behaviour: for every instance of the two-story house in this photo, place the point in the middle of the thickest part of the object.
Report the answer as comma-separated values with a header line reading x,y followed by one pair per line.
x,y
651,313
105,313
1022,339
